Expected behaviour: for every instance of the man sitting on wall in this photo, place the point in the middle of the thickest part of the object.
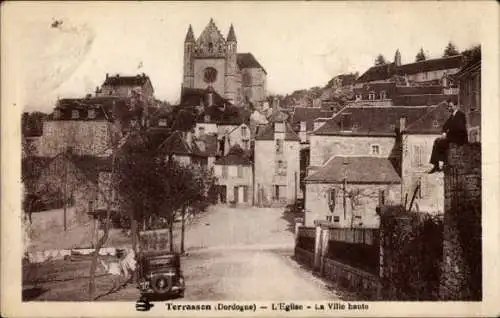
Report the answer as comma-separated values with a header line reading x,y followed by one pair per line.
x,y
454,131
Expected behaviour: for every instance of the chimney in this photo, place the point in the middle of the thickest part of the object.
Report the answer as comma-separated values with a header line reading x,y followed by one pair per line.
x,y
402,124
107,75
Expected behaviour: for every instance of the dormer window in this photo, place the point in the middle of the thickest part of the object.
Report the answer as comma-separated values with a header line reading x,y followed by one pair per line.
x,y
91,114
162,122
75,114
383,95
206,118
371,96
345,123
358,97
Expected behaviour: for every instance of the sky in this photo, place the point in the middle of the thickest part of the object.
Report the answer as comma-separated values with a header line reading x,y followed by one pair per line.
x,y
300,44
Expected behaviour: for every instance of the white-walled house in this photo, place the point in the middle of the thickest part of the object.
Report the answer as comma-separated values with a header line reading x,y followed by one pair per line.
x,y
276,164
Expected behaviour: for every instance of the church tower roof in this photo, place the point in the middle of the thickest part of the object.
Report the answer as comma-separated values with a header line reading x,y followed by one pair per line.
x,y
231,36
189,35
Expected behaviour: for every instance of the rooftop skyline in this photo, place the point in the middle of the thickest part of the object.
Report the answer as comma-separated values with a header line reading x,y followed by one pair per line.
x,y
305,47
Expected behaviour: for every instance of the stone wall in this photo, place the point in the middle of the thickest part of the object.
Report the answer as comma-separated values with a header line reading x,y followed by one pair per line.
x,y
324,147
461,277
86,137
415,167
232,180
366,201
265,159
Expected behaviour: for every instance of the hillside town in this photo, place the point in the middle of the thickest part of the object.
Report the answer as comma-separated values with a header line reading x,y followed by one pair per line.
x,y
247,183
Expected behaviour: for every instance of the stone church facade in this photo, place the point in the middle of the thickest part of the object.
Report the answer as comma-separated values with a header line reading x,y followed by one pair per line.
x,y
212,60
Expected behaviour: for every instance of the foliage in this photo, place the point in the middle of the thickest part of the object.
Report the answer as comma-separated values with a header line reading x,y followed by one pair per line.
x,y
413,246
472,55
450,50
420,56
32,123
380,60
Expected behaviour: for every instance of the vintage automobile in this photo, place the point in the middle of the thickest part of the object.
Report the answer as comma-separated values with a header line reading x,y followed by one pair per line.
x,y
160,274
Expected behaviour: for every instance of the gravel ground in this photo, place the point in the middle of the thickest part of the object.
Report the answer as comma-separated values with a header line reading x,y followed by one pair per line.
x,y
232,254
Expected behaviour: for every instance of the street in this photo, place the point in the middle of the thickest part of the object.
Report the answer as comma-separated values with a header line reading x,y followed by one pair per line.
x,y
231,254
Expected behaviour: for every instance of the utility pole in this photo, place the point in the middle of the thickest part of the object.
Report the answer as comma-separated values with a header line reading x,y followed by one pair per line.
x,y
65,191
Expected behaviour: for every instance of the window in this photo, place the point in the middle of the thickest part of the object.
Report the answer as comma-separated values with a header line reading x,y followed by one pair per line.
x,y
240,171
246,144
280,168
224,172
358,97
75,114
420,191
201,130
91,114
435,123
375,150
371,96
279,146
332,199
162,122
244,132
417,159
474,135
383,95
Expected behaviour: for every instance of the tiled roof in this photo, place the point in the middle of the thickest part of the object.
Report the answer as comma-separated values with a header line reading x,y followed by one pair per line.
x,y
419,90
422,100
205,145
138,80
356,170
370,120
307,114
235,156
431,65
384,72
247,60
176,145
268,133
198,96
230,115
105,107
431,122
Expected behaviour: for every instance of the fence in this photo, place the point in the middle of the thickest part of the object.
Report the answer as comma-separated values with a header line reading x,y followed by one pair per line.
x,y
348,257
358,247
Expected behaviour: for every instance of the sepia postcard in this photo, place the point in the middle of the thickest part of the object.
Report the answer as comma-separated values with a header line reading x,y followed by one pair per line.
x,y
250,159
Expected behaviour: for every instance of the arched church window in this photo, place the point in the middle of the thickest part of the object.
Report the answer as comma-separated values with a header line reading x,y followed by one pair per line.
x,y
210,47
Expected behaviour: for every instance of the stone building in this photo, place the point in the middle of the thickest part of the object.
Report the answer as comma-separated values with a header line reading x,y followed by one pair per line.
x,y
469,79
125,86
213,60
426,82
276,164
85,124
187,149
402,136
234,174
347,190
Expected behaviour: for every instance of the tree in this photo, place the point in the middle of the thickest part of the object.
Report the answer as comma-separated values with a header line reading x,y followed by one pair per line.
x,y
420,56
380,60
472,55
450,50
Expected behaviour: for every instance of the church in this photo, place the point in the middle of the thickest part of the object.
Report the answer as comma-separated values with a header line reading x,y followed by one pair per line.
x,y
213,61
